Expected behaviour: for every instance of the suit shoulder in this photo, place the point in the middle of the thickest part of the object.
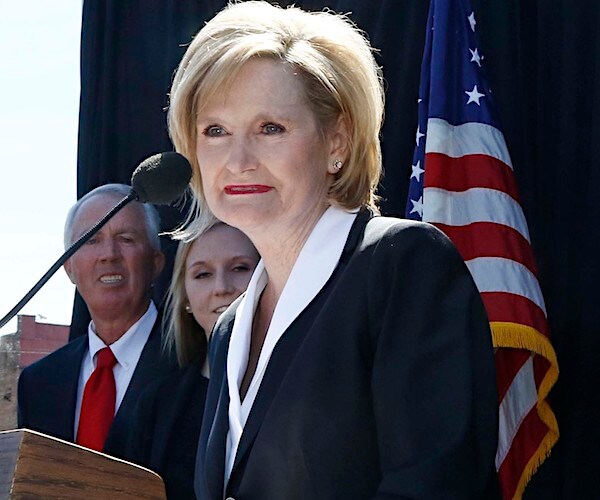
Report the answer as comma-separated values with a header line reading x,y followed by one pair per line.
x,y
392,231
176,380
172,393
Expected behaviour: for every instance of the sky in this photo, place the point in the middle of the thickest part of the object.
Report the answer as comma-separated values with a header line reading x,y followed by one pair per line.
x,y
39,92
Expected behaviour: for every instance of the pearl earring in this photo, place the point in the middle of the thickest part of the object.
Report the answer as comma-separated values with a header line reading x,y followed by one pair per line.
x,y
188,309
337,165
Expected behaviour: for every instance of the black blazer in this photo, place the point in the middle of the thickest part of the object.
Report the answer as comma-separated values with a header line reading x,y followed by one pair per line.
x,y
47,392
383,387
167,421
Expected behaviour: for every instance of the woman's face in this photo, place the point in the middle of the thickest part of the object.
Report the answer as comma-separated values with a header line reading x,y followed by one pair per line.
x,y
263,161
217,270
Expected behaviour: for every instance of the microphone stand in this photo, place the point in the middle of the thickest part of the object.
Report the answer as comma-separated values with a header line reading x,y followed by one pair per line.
x,y
70,251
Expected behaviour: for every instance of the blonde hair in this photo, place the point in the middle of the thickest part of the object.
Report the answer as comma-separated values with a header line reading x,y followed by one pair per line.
x,y
181,331
335,60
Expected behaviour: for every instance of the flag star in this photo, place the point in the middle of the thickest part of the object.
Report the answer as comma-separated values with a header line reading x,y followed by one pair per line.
x,y
417,206
472,21
475,57
419,134
417,171
474,96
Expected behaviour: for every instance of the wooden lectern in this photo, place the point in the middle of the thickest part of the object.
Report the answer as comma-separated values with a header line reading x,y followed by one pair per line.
x,y
33,465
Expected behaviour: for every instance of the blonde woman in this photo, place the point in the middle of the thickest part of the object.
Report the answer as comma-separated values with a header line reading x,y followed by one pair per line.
x,y
212,268
359,362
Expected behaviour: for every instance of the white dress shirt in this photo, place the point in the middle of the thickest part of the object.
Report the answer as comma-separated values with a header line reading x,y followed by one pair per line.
x,y
313,268
127,350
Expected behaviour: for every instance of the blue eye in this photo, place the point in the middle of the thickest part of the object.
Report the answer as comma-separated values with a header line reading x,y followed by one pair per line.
x,y
202,276
272,128
214,131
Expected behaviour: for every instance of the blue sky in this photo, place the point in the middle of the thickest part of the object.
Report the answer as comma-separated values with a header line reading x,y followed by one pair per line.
x,y
39,89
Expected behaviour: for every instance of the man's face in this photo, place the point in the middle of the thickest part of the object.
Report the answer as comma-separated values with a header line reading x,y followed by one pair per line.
x,y
114,270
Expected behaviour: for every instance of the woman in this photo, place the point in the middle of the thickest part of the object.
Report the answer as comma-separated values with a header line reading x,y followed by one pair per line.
x,y
209,273
359,362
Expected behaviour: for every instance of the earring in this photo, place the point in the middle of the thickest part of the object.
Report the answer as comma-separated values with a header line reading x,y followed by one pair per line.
x,y
337,165
188,309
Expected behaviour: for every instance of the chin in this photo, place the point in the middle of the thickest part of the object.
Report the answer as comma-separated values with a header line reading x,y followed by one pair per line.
x,y
245,214
246,220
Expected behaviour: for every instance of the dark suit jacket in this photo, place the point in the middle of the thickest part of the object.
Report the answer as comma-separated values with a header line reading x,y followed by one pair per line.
x,y
47,391
167,421
383,387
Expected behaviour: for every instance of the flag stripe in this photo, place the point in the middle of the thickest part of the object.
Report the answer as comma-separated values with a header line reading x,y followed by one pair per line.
x,y
476,170
466,139
474,205
502,306
508,363
493,240
528,439
516,404
495,274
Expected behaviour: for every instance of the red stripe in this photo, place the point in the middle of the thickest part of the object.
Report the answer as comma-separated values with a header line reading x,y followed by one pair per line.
x,y
460,174
508,363
487,239
526,442
508,307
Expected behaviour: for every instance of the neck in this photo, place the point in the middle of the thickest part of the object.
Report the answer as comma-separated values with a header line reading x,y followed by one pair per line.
x,y
110,328
279,248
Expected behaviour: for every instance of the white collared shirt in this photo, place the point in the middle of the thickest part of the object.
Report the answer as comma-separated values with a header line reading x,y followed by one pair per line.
x,y
313,268
127,350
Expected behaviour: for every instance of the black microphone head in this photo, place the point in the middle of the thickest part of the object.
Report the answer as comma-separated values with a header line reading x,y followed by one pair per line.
x,y
162,178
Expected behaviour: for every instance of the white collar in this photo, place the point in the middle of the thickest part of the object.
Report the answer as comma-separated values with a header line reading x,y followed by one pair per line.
x,y
128,347
313,268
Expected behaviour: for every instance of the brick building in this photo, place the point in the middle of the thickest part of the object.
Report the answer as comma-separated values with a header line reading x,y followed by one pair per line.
x,y
31,341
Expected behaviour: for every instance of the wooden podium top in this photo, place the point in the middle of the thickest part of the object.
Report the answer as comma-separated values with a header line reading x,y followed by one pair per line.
x,y
33,465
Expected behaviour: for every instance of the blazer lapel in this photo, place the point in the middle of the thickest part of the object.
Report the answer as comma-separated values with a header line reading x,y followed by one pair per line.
x,y
151,365
64,406
216,445
277,369
288,345
210,459
145,371
210,463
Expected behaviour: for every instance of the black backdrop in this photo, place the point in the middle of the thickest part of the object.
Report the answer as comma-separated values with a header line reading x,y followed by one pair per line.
x,y
542,58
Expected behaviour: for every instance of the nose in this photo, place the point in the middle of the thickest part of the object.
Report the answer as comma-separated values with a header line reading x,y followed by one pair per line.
x,y
223,284
109,250
241,157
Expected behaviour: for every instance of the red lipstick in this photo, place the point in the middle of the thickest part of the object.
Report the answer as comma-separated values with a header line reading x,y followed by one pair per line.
x,y
246,189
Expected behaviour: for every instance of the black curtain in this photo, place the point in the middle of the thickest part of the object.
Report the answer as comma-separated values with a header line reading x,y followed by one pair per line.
x,y
542,59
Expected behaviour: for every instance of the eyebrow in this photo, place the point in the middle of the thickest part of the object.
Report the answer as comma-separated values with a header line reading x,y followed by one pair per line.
x,y
120,232
232,259
261,116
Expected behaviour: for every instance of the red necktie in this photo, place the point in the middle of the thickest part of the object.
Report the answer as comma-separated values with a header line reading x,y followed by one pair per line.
x,y
98,404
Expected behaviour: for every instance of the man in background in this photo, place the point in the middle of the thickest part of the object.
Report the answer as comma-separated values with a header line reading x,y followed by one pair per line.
x,y
86,391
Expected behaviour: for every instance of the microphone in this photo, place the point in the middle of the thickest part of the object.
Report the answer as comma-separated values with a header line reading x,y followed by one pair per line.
x,y
160,179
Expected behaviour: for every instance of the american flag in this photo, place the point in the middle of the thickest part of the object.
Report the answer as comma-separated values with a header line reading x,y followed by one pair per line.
x,y
462,181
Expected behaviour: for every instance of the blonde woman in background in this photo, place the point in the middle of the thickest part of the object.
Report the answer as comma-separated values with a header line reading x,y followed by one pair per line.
x,y
212,268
